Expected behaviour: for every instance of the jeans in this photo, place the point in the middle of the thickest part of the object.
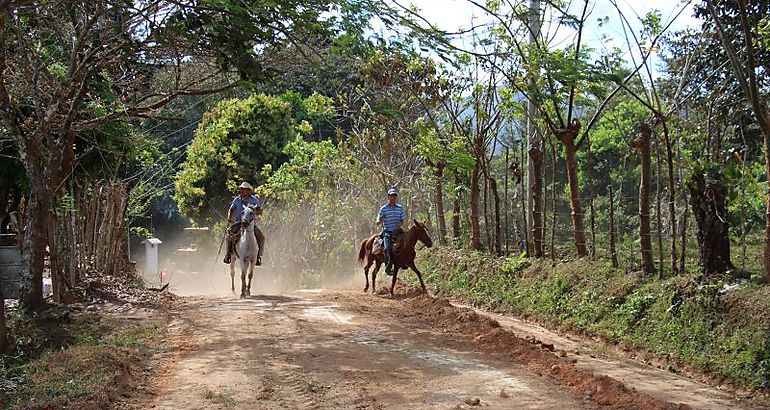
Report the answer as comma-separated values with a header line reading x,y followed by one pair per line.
x,y
234,233
387,244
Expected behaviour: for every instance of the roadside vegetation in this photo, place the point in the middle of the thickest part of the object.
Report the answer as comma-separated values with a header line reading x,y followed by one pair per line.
x,y
719,327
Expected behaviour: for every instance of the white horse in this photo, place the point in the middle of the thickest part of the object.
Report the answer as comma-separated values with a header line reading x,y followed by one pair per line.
x,y
246,251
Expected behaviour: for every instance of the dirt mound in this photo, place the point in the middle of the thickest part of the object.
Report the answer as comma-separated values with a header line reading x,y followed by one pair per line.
x,y
83,377
538,356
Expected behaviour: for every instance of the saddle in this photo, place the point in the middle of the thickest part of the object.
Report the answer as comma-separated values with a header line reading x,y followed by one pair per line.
x,y
378,247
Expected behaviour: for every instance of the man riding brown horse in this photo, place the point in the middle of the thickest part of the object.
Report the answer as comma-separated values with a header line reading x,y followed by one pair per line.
x,y
391,217
234,215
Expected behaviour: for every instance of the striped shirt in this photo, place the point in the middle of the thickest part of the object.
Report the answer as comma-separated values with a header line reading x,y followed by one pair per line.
x,y
390,216
239,204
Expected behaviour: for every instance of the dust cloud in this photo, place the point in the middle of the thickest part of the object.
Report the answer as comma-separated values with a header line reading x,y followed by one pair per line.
x,y
191,263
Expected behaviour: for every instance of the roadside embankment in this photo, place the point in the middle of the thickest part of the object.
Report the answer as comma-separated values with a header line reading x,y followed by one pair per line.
x,y
711,327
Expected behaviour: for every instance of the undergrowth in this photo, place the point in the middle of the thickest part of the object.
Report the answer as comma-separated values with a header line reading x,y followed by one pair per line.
x,y
683,318
61,359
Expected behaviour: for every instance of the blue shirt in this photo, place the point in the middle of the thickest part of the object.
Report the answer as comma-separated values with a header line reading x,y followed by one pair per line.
x,y
390,216
239,204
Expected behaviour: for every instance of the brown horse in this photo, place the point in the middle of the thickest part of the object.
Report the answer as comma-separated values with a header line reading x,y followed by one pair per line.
x,y
401,260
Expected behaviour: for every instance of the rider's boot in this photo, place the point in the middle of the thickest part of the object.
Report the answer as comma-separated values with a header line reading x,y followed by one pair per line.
x,y
227,255
388,266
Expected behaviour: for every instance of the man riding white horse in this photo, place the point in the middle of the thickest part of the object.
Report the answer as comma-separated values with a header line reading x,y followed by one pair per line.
x,y
391,216
234,217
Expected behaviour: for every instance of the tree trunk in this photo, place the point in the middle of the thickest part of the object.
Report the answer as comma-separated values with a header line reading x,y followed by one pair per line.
x,y
683,221
658,222
766,131
567,138
554,214
487,225
671,195
474,208
456,210
708,197
440,204
505,202
642,143
613,252
3,328
683,233
535,231
33,247
496,199
590,182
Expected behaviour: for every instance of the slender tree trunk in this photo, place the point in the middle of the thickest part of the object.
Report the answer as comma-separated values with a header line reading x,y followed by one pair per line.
x,y
524,202
554,214
683,233
683,228
440,204
456,210
567,138
671,195
590,181
3,328
546,185
474,208
613,251
505,211
767,209
642,143
496,199
487,224
658,222
535,230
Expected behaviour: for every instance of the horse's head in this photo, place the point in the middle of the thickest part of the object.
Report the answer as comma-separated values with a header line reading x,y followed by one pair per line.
x,y
248,215
422,233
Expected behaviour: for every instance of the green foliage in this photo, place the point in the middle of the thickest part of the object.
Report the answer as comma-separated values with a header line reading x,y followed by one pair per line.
x,y
725,334
313,203
234,142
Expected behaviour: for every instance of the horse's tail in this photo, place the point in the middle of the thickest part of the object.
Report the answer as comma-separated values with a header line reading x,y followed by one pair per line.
x,y
362,252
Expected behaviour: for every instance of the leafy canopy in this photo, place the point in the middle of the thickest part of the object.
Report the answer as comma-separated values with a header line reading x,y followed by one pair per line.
x,y
234,142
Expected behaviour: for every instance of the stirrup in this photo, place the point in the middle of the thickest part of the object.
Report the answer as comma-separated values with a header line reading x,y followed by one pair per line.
x,y
227,259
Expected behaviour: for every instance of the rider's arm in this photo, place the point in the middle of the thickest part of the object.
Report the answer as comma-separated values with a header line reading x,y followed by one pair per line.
x,y
378,220
230,211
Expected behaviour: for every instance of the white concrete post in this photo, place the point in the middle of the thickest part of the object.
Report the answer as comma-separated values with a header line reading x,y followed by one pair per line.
x,y
151,256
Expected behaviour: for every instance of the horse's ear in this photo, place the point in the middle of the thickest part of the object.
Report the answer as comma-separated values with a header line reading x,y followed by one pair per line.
x,y
415,222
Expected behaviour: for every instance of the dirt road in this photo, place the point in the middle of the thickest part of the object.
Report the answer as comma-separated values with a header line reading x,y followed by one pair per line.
x,y
347,350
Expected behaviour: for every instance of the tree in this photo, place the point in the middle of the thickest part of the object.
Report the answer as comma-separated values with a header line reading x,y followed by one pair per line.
x,y
68,68
708,196
737,25
234,142
642,144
